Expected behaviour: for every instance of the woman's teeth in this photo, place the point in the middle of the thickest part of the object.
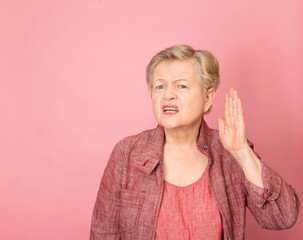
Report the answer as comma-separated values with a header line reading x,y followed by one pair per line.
x,y
170,110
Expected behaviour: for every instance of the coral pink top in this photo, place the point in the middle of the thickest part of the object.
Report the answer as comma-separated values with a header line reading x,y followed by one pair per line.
x,y
189,212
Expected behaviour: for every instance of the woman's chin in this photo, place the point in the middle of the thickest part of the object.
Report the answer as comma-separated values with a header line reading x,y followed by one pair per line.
x,y
170,125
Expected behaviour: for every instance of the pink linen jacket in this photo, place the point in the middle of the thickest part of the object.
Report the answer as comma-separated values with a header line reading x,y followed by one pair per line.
x,y
131,188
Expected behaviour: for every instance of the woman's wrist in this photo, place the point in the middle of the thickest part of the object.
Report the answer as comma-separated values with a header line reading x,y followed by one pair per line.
x,y
242,155
250,164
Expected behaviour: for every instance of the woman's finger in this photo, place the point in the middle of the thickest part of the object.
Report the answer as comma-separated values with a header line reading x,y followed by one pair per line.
x,y
226,110
240,110
230,105
235,97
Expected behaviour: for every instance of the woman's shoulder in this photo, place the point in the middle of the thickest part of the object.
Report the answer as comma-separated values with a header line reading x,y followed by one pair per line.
x,y
141,138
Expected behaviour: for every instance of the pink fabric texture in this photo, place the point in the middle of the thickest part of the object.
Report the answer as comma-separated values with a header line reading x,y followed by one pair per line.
x,y
189,212
131,189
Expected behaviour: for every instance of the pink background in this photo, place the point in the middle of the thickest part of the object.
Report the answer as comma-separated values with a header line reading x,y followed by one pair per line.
x,y
72,85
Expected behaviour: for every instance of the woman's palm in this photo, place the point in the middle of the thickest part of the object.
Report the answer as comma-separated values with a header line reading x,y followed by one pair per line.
x,y
232,126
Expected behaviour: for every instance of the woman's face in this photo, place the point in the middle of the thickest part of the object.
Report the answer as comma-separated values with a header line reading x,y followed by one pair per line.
x,y
177,99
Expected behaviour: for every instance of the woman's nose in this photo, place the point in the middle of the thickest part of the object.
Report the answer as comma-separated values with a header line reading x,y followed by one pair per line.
x,y
170,93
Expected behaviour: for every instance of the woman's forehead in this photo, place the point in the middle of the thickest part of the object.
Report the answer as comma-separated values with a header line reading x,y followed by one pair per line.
x,y
177,69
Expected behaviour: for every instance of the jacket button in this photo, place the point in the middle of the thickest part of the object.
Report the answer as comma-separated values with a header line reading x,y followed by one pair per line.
x,y
205,146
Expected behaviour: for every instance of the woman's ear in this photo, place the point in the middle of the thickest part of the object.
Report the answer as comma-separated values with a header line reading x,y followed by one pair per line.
x,y
209,98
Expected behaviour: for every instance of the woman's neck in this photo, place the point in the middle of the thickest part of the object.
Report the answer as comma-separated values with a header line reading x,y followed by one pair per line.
x,y
183,136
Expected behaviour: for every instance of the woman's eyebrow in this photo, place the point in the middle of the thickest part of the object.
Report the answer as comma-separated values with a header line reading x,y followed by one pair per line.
x,y
159,79
181,79
178,79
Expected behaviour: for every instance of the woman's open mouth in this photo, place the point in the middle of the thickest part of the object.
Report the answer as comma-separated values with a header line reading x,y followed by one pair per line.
x,y
170,109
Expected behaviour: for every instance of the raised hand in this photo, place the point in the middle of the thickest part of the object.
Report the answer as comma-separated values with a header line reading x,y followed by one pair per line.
x,y
232,126
233,138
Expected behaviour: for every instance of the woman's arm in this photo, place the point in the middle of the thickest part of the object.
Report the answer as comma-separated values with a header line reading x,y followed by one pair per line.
x,y
271,200
276,205
105,218
233,138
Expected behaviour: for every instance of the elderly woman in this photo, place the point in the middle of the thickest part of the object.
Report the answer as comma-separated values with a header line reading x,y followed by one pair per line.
x,y
183,180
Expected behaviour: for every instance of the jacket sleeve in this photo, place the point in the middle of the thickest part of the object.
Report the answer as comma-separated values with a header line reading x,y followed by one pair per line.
x,y
105,217
276,206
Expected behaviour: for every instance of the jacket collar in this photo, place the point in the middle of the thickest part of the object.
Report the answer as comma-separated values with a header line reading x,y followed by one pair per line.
x,y
153,153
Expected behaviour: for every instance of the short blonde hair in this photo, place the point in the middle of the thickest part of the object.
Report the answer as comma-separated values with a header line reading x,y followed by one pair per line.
x,y
205,62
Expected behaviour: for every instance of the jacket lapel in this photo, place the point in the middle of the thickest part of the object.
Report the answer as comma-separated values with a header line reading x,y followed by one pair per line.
x,y
153,152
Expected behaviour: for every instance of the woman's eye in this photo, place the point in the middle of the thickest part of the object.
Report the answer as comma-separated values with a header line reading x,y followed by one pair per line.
x,y
159,87
183,86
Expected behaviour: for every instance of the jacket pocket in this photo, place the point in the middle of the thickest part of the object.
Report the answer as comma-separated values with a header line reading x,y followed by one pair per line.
x,y
131,201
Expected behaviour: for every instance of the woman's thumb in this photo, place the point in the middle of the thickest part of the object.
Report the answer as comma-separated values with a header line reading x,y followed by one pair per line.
x,y
221,125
